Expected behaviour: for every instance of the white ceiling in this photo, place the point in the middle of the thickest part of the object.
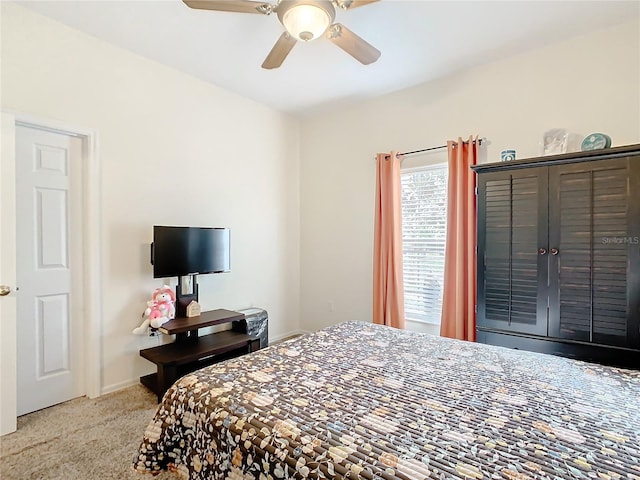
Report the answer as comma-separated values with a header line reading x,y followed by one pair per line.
x,y
420,40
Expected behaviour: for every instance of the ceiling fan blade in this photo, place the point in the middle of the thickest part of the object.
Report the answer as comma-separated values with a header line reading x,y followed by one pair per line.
x,y
351,43
279,51
347,4
240,6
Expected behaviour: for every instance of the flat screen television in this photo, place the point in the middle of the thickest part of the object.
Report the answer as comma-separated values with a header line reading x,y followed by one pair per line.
x,y
181,251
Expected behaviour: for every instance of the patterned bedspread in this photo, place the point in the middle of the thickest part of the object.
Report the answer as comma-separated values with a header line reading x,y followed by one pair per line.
x,y
362,401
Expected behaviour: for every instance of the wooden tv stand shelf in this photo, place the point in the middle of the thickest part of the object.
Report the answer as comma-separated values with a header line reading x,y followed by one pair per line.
x,y
190,351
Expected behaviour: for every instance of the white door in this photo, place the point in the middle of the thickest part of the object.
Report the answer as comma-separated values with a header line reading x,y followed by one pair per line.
x,y
48,268
7,275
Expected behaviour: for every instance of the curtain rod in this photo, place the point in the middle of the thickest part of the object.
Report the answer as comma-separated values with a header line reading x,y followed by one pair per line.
x,y
480,140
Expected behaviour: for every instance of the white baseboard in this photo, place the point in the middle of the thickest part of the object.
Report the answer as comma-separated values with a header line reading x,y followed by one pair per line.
x,y
114,387
277,338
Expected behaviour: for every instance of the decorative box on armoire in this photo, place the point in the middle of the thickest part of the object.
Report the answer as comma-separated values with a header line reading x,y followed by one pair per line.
x,y
559,255
256,323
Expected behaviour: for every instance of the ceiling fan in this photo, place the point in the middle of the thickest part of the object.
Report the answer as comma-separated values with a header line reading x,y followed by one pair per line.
x,y
303,20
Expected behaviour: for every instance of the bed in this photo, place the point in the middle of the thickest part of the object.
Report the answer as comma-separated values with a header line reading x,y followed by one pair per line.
x,y
363,401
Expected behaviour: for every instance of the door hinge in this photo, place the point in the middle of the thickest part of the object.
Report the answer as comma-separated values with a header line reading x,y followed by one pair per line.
x,y
475,191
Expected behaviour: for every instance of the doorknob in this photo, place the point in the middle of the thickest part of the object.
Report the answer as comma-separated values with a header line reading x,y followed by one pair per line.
x,y
5,290
542,251
554,251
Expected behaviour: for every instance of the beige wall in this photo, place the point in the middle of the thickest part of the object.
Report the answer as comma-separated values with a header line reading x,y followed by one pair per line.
x,y
587,84
175,151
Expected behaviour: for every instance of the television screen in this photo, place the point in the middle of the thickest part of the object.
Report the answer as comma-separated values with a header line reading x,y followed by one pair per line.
x,y
179,251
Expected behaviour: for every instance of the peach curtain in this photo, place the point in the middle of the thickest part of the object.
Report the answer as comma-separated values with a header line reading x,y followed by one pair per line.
x,y
388,287
459,288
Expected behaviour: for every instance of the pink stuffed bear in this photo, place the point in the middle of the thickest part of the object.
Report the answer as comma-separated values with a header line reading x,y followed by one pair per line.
x,y
160,309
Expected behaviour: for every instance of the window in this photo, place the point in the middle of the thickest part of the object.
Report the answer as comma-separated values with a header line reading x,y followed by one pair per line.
x,y
424,233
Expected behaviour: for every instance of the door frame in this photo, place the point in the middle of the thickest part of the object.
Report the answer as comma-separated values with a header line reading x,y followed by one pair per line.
x,y
92,264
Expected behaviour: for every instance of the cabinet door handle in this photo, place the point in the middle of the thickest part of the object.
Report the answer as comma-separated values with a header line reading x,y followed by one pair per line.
x,y
554,251
542,251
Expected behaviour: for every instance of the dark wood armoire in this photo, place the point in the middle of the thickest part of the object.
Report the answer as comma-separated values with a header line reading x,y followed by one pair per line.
x,y
559,254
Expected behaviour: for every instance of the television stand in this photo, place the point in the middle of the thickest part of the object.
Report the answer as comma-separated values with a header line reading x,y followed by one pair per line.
x,y
186,292
191,352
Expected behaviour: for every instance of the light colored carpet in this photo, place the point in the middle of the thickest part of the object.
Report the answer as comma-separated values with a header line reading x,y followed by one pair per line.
x,y
81,439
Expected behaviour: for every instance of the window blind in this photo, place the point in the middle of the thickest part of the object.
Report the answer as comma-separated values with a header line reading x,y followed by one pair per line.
x,y
424,231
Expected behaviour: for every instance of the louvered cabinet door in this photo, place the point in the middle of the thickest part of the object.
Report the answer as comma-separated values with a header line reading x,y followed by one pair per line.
x,y
512,227
593,238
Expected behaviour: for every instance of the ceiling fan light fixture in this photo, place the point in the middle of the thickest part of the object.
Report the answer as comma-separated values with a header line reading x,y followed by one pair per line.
x,y
303,20
307,20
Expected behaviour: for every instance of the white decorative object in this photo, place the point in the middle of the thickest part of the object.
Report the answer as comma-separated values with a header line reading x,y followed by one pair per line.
x,y
555,141
193,309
